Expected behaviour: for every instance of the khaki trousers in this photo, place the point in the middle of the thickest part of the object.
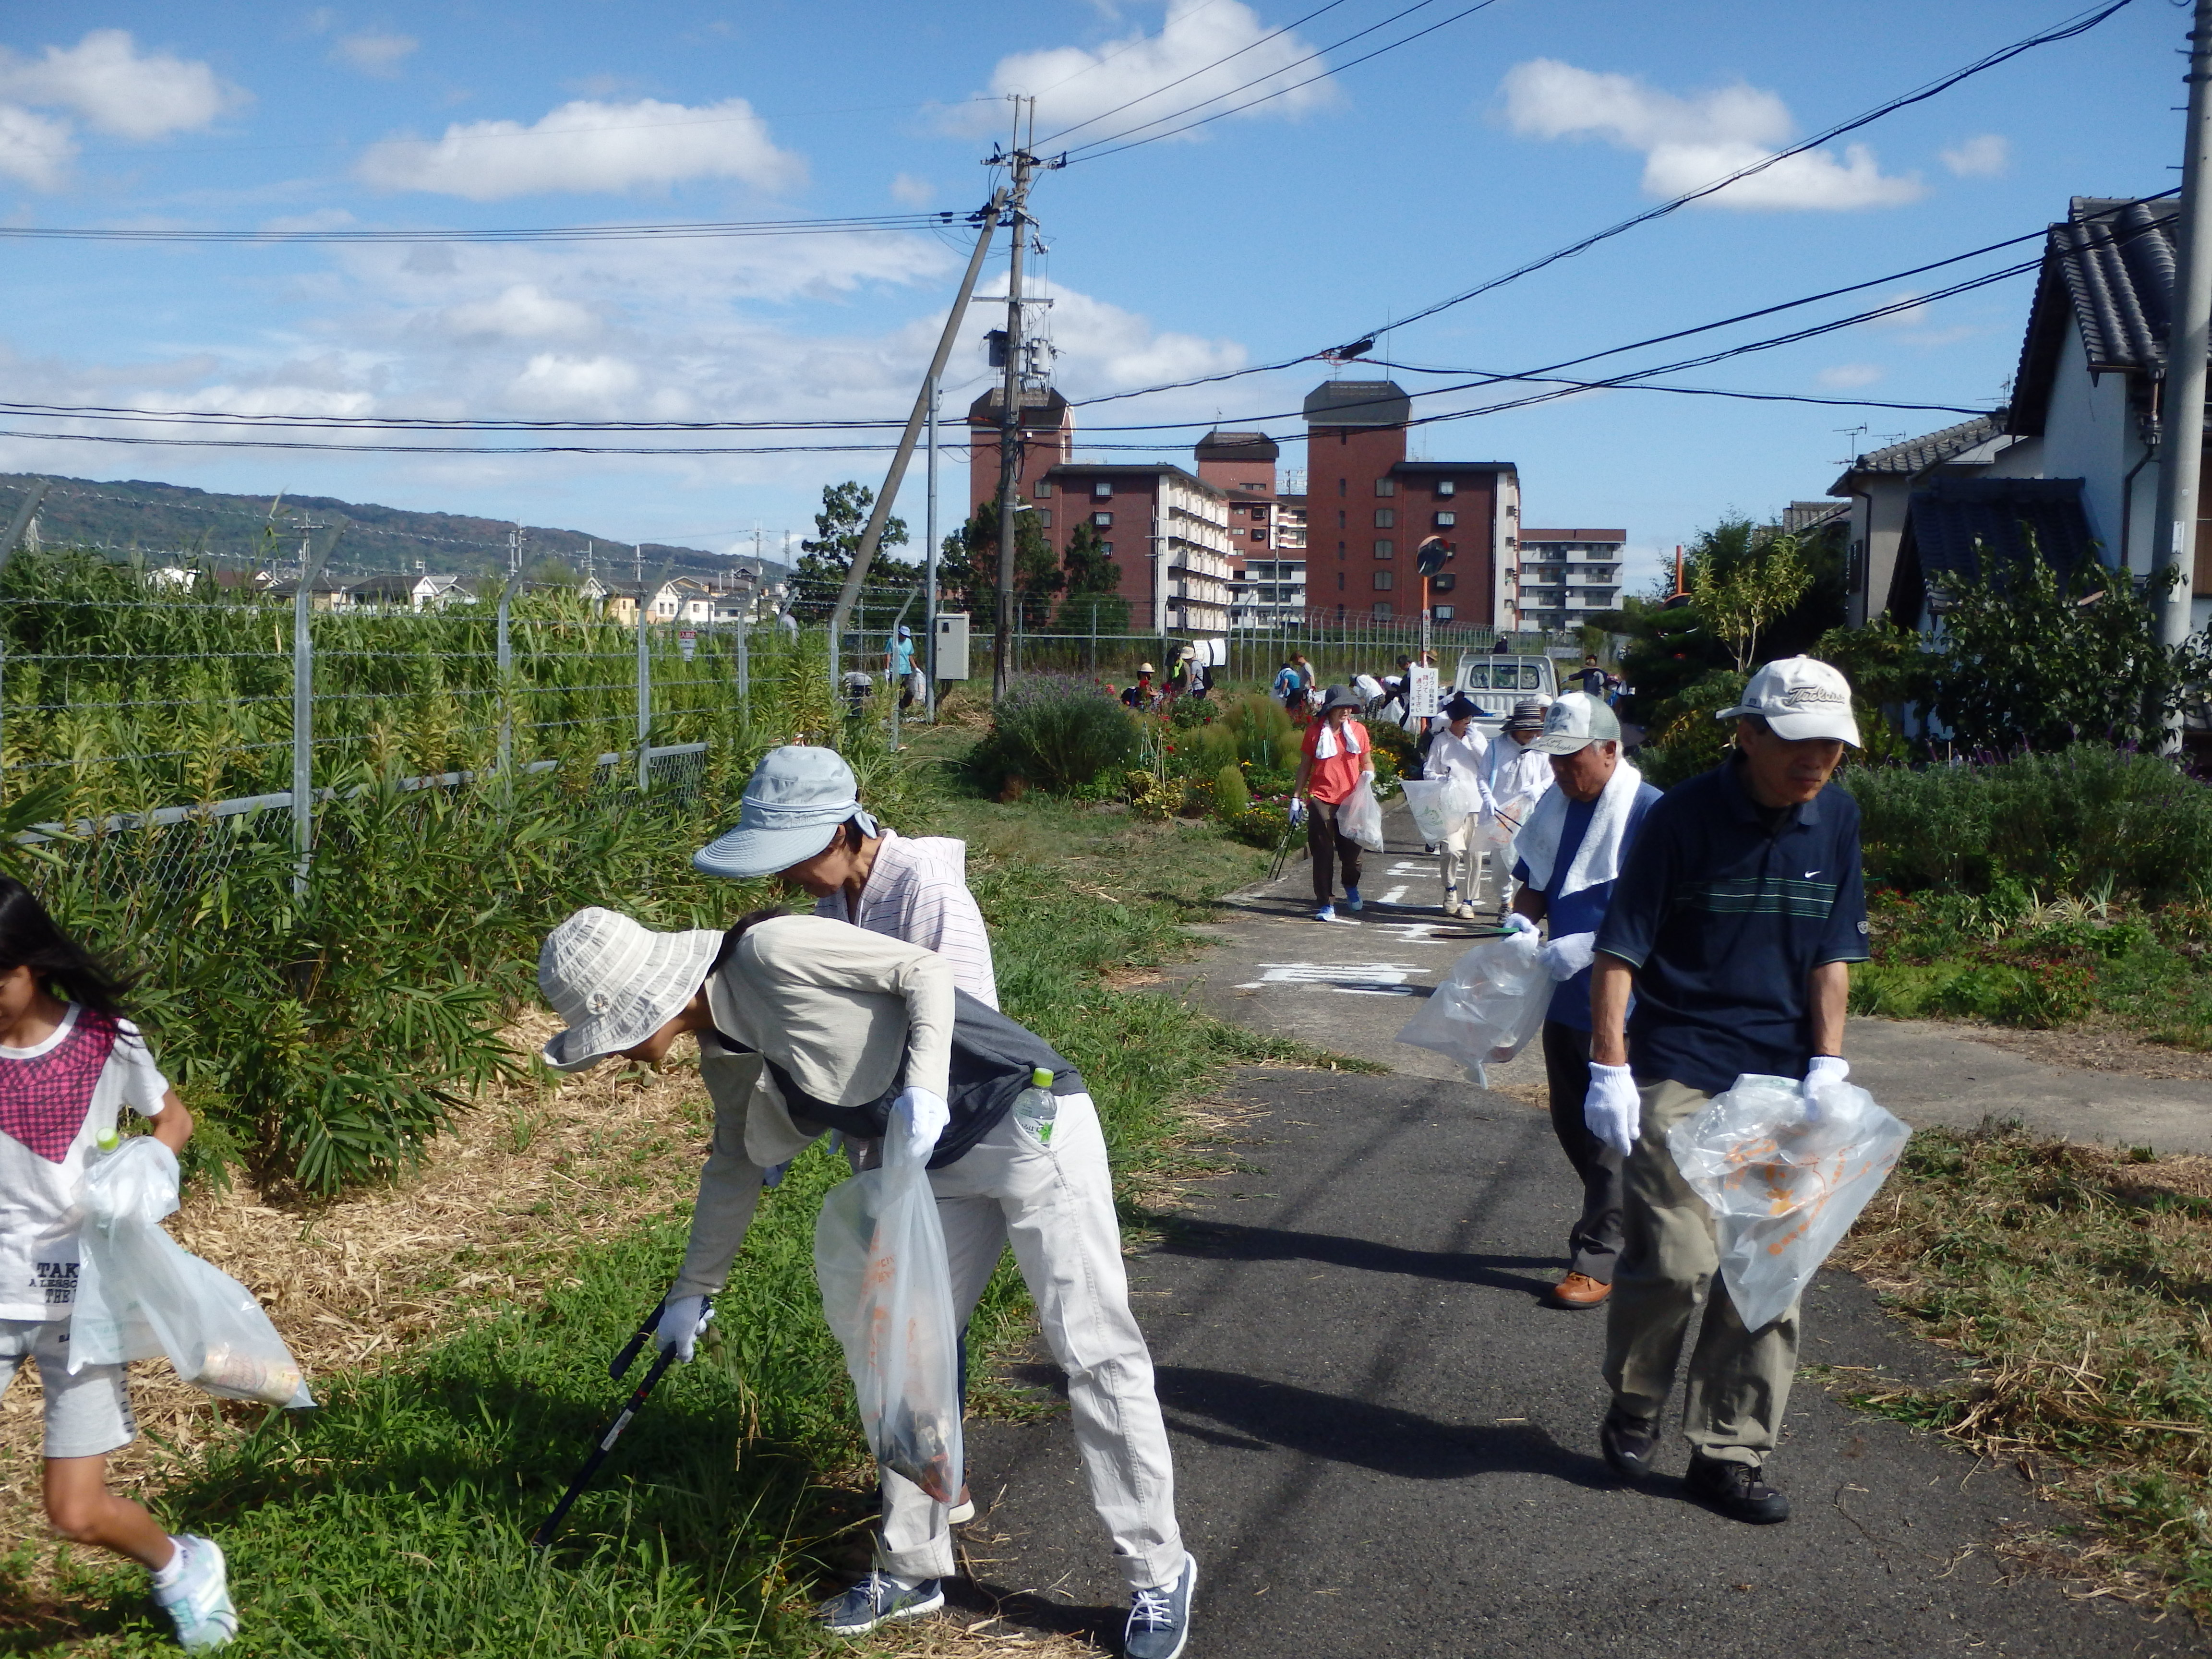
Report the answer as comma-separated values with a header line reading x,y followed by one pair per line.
x,y
1739,1379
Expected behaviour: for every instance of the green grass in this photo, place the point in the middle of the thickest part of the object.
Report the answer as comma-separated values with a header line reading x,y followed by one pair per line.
x,y
2079,1279
2011,959
392,1520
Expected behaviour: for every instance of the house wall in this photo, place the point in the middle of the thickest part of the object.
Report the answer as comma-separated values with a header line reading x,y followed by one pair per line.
x,y
2088,434
1878,510
1342,566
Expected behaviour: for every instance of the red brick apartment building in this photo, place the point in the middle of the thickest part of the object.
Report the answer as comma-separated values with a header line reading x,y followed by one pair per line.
x,y
1186,542
1368,509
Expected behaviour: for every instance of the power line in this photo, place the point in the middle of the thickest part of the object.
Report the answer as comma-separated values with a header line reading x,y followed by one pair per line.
x,y
1052,138
850,225
1097,151
2080,24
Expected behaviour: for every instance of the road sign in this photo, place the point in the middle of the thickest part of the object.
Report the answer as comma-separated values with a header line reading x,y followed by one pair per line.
x,y
687,642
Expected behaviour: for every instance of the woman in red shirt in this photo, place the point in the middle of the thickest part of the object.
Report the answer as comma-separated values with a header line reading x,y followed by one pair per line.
x,y
1337,760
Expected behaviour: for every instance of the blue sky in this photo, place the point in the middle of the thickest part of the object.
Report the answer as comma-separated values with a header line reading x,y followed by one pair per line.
x,y
1324,212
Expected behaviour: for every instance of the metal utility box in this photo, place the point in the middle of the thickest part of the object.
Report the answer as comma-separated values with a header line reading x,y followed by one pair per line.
x,y
952,644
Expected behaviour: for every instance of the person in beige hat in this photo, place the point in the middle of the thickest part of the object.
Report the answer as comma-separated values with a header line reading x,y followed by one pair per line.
x,y
807,1025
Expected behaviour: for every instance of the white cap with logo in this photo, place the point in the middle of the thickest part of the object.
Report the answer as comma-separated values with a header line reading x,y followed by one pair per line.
x,y
1800,697
1574,722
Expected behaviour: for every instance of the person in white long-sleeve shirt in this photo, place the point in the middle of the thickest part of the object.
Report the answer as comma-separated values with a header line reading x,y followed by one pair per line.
x,y
1459,751
856,870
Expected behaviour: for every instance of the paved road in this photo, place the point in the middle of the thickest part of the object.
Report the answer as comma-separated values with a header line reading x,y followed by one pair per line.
x,y
1386,1446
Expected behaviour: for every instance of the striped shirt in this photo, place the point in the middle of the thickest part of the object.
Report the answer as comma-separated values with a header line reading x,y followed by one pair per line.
x,y
917,891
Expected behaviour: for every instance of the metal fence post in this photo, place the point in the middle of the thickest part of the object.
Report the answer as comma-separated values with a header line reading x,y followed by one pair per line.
x,y
745,663
644,700
303,716
504,661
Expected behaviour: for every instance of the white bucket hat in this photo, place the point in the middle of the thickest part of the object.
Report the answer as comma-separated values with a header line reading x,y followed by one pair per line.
x,y
1800,697
793,804
615,983
1574,722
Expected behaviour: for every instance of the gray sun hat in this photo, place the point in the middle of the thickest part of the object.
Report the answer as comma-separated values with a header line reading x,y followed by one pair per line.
x,y
614,982
793,803
1342,696
1574,722
1527,716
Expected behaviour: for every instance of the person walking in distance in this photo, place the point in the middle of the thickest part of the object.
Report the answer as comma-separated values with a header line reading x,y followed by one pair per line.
x,y
807,1026
1571,853
67,1069
1290,689
1335,760
1514,779
1735,924
899,660
1457,750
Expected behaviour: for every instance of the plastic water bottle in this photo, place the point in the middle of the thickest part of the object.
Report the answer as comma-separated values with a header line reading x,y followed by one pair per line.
x,y
1036,1106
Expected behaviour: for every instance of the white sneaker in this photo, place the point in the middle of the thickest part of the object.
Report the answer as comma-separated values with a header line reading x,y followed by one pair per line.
x,y
199,1599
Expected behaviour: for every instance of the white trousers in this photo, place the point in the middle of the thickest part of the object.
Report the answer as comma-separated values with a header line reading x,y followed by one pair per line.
x,y
1459,862
1055,1205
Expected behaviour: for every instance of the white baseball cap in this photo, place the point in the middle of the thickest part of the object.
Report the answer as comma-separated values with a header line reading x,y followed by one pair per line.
x,y
1573,723
1800,697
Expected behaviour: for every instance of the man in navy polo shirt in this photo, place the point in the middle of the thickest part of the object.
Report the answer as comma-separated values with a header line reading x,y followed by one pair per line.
x,y
1569,855
1735,922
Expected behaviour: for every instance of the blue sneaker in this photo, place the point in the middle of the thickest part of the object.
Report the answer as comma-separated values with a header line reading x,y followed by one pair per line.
x,y
1352,900
1159,1620
198,1599
877,1600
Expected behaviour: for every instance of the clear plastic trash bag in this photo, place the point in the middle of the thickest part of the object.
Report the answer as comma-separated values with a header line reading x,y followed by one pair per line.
x,y
141,1294
1502,819
1786,1186
1488,1008
1360,817
879,1259
1441,806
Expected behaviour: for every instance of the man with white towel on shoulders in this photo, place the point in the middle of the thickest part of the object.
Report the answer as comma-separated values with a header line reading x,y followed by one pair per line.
x,y
1568,855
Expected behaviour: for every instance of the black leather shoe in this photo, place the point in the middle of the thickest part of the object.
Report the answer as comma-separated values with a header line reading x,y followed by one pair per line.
x,y
1629,1444
1736,1491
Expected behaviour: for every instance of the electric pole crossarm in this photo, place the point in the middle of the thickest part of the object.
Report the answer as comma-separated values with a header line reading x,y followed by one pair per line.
x,y
880,514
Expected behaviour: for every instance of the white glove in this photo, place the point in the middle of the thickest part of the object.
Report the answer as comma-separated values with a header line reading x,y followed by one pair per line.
x,y
1515,922
1562,958
1825,1070
1612,1108
918,1118
1298,811
683,1322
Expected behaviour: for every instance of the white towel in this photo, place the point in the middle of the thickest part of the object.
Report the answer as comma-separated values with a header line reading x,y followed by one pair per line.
x,y
1325,745
1597,860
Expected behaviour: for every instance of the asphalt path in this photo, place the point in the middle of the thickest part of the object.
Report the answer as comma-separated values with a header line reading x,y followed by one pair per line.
x,y
1386,1445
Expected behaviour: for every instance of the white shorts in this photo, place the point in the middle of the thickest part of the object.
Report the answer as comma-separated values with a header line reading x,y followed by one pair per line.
x,y
87,1415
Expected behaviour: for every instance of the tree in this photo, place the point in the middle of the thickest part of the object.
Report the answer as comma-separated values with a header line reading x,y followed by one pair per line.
x,y
1037,574
2026,658
828,557
1739,598
1094,603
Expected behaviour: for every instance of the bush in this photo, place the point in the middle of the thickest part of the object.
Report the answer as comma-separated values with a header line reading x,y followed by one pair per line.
x,y
1055,731
1230,796
2086,820
1267,738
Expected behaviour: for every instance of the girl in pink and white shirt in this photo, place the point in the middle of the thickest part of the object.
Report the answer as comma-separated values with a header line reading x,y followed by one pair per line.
x,y
69,1062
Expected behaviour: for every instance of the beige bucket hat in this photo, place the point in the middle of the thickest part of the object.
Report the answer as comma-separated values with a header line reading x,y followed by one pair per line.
x,y
615,983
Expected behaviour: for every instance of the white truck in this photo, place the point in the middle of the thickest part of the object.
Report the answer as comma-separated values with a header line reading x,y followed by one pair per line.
x,y
1496,683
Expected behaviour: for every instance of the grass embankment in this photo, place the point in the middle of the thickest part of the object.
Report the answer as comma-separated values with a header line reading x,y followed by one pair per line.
x,y
392,1520
2078,1277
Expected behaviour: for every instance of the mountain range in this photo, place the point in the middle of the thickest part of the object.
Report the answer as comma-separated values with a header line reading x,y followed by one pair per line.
x,y
166,520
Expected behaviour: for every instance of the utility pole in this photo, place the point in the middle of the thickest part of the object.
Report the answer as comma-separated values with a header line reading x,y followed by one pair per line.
x,y
2189,341
929,572
872,536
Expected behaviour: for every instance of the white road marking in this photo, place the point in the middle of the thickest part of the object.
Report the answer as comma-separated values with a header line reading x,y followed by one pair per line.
x,y
1414,933
1363,979
1393,895
1408,867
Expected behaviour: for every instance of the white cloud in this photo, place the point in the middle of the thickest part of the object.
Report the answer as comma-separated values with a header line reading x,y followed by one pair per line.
x,y
1845,376
1690,142
107,81
379,54
914,192
569,385
1106,346
35,149
523,311
1986,156
1217,44
1908,316
588,146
